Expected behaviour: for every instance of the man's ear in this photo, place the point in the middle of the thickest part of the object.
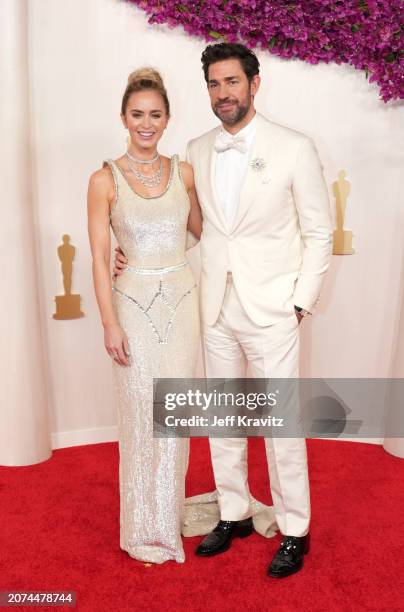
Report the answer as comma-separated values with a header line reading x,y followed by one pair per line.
x,y
255,84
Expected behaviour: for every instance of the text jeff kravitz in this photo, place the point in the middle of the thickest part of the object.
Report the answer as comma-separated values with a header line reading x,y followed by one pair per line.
x,y
228,421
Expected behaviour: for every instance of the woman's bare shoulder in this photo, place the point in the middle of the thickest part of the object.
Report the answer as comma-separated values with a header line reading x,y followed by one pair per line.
x,y
101,177
187,174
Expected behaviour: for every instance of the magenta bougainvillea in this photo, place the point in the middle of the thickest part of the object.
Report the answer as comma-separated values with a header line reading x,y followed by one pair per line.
x,y
367,34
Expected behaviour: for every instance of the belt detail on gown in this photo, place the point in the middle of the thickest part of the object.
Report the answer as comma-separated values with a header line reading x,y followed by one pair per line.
x,y
159,294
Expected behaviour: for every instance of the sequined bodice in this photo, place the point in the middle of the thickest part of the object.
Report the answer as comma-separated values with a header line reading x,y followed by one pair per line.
x,y
151,231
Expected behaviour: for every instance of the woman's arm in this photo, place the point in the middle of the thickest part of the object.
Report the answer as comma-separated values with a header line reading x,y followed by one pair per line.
x,y
195,214
100,194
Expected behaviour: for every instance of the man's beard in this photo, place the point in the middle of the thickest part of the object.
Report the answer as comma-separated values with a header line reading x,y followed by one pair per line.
x,y
237,115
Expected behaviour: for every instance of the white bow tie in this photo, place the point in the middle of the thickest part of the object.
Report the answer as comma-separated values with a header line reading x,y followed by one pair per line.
x,y
224,142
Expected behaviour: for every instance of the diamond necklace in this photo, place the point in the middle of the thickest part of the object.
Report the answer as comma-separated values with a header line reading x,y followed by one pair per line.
x,y
153,180
142,161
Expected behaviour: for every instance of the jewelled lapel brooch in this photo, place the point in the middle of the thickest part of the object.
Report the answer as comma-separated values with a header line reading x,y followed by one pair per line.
x,y
258,164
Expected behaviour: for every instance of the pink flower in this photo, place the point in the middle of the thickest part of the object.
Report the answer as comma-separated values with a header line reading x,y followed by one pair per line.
x,y
366,34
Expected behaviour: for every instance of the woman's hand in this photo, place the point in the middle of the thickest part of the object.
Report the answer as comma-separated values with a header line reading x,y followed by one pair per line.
x,y
117,344
120,262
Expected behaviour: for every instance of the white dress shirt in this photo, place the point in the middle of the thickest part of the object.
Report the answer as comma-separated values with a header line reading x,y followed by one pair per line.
x,y
230,170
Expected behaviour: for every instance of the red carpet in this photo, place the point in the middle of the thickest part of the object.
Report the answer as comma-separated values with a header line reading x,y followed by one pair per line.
x,y
60,531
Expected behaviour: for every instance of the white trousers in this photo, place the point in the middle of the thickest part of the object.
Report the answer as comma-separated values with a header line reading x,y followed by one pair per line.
x,y
271,352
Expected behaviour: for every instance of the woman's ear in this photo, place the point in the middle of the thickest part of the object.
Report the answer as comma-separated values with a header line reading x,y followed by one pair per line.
x,y
124,121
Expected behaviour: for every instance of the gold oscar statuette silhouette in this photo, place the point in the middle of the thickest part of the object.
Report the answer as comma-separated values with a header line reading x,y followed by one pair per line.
x,y
342,242
67,305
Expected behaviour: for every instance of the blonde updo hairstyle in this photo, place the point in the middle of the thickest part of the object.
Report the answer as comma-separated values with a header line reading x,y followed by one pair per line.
x,y
145,79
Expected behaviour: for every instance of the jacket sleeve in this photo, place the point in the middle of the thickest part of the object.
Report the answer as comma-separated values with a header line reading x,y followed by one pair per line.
x,y
314,212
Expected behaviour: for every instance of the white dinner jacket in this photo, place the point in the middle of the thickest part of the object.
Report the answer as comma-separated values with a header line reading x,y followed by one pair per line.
x,y
279,245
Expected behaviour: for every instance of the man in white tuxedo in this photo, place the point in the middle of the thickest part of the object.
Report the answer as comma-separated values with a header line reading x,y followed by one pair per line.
x,y
265,247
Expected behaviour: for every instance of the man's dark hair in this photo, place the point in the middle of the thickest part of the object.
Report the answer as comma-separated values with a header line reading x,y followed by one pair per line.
x,y
224,51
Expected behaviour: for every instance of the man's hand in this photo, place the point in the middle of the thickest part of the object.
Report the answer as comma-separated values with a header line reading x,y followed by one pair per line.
x,y
120,262
299,317
300,313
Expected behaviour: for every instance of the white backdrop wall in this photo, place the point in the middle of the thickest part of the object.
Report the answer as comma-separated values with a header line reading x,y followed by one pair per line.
x,y
80,54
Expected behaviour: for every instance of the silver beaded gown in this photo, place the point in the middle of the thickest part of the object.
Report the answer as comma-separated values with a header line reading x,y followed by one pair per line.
x,y
156,304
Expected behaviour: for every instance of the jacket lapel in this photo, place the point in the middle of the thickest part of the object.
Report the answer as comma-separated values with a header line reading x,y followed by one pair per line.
x,y
207,158
262,149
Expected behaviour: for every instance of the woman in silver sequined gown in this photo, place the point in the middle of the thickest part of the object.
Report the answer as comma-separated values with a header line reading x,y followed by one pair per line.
x,y
151,313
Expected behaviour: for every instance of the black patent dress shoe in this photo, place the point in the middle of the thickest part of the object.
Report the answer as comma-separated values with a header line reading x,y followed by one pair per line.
x,y
219,540
289,557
